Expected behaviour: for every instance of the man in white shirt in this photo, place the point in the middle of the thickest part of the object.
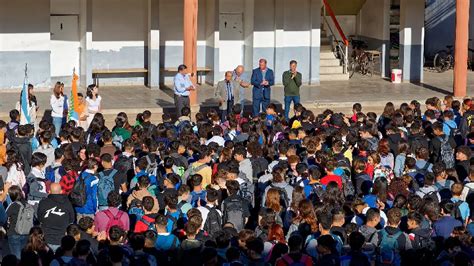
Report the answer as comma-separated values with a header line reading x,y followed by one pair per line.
x,y
182,88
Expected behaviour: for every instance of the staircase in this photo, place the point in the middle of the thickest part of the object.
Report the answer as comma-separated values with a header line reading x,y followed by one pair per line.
x,y
330,67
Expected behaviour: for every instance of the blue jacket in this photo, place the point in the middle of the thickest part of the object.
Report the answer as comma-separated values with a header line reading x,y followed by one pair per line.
x,y
259,91
91,192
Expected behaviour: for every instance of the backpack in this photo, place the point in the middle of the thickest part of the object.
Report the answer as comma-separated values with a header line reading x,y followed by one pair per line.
x,y
246,191
213,222
152,167
174,220
139,260
124,164
421,173
195,197
180,127
388,248
192,171
105,186
433,195
150,225
113,220
317,193
284,200
290,262
234,213
50,173
78,194
456,213
24,222
347,186
446,152
259,167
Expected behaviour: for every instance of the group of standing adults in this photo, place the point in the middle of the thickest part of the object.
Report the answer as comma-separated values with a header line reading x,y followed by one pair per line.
x,y
60,106
231,90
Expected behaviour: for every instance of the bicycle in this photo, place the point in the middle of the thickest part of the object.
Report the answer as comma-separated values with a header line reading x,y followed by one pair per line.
x,y
361,61
444,59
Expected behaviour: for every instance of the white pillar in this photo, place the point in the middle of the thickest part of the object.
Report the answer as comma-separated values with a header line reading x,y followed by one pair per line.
x,y
412,32
249,7
315,13
385,57
85,19
279,64
153,44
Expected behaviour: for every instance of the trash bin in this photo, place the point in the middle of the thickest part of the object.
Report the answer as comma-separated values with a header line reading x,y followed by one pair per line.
x,y
396,76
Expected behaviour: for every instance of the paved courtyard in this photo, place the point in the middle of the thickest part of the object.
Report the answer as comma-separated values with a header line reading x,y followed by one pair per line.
x,y
373,93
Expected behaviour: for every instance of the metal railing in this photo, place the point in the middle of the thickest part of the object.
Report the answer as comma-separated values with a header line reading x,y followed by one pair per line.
x,y
342,44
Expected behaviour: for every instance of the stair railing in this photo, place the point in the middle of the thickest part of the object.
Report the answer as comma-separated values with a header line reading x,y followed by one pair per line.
x,y
342,44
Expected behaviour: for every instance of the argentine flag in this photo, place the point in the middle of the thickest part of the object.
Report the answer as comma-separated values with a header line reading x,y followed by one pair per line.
x,y
25,117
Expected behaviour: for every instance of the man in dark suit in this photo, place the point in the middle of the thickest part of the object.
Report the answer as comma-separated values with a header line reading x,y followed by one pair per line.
x,y
262,80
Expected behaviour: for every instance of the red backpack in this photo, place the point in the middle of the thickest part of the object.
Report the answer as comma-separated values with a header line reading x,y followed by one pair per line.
x,y
113,220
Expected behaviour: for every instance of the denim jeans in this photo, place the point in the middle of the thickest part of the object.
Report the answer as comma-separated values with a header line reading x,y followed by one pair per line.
x,y
288,100
16,243
58,123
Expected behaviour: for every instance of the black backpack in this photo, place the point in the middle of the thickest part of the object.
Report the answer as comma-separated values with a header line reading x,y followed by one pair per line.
x,y
234,212
213,222
284,200
433,195
78,194
456,213
259,167
124,164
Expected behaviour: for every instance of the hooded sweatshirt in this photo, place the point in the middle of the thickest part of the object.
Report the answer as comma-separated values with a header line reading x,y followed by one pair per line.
x,y
55,213
23,146
38,187
140,194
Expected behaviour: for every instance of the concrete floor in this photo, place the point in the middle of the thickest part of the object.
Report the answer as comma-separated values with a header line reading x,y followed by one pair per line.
x,y
373,93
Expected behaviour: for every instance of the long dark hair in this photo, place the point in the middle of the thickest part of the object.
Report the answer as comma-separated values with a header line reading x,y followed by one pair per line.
x,y
90,88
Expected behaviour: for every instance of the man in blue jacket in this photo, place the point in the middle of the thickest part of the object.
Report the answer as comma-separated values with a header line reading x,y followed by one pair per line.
x,y
91,181
262,80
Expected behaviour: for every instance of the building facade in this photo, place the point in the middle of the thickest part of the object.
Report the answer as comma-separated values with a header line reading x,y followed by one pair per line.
x,y
56,37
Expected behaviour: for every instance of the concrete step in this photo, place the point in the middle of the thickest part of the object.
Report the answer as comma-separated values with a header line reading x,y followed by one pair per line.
x,y
329,62
326,55
333,77
331,69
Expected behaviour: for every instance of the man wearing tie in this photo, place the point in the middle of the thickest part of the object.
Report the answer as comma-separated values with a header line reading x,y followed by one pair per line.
x,y
262,80
182,87
227,92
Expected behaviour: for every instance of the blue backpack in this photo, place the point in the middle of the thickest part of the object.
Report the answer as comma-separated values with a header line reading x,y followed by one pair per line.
x,y
105,186
50,173
195,196
388,248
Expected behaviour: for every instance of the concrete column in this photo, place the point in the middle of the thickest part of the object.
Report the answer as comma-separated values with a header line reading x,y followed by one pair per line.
x,y
315,17
412,34
249,9
153,45
385,60
461,47
190,41
85,19
279,65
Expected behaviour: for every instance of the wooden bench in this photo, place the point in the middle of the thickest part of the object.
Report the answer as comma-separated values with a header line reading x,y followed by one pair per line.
x,y
96,73
200,71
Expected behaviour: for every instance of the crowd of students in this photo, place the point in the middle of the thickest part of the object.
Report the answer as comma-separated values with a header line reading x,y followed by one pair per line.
x,y
317,189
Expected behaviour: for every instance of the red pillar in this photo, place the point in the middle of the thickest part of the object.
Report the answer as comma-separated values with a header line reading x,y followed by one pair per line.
x,y
190,41
461,47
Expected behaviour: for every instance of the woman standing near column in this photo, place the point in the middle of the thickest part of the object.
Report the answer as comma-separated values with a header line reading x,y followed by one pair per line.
x,y
59,108
93,102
